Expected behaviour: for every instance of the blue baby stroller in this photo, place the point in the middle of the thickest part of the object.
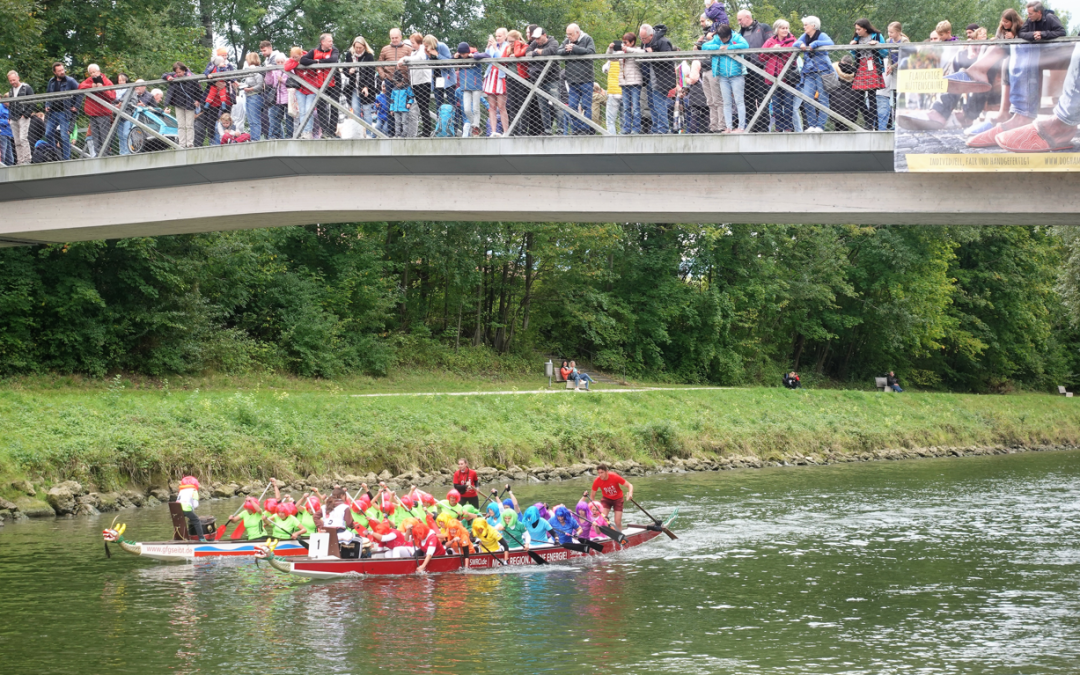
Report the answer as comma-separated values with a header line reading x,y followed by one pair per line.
x,y
446,128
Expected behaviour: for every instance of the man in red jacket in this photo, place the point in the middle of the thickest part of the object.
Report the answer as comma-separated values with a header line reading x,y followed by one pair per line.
x,y
100,115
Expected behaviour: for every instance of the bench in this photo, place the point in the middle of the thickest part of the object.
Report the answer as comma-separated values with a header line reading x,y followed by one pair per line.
x,y
559,378
882,383
179,521
1066,394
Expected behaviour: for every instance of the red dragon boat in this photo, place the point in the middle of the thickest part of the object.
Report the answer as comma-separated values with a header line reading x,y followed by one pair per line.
x,y
331,567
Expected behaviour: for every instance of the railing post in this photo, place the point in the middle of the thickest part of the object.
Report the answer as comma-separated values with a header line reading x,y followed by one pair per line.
x,y
768,97
116,122
528,99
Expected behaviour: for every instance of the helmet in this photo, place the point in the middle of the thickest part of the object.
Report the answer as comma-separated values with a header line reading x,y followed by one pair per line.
x,y
283,510
408,502
251,505
270,505
190,480
453,497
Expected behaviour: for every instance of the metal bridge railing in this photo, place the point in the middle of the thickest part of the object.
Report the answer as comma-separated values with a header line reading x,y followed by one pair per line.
x,y
615,93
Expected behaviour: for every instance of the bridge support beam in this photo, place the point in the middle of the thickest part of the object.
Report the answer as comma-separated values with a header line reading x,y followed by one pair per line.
x,y
867,199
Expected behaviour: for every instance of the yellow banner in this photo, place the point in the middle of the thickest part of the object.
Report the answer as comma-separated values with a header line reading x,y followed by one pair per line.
x,y
1068,161
922,81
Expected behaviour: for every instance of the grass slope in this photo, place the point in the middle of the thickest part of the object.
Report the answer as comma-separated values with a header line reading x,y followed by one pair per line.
x,y
111,435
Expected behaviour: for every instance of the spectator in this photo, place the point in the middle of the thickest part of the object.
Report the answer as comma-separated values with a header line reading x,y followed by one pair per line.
x,y
495,82
566,371
219,62
270,55
382,110
139,98
783,100
1041,25
254,85
19,117
756,35
445,78
599,100
471,85
360,88
934,37
276,94
716,14
185,98
731,73
325,53
401,104
612,68
579,75
398,77
1054,132
815,66
886,96
7,138
227,133
544,46
99,112
791,380
630,81
424,49
157,98
517,91
658,75
695,97
892,383
844,99
219,98
710,85
869,75
972,31
579,377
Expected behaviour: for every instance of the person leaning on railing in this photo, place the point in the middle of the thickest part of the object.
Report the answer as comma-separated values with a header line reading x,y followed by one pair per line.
x,y
816,67
276,94
579,75
100,113
185,98
630,81
20,116
783,101
360,88
731,73
470,89
60,112
325,53
543,46
254,85
659,75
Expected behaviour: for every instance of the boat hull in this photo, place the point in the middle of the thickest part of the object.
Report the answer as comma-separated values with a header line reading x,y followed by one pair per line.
x,y
330,568
179,551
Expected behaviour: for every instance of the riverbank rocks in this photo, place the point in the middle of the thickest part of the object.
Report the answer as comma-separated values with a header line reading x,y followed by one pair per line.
x,y
34,508
61,499
25,487
221,491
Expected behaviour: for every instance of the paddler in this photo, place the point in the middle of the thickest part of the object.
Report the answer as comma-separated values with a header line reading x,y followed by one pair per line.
x,y
253,525
309,511
539,528
465,482
425,540
565,525
284,525
608,483
514,530
452,505
188,499
489,538
454,534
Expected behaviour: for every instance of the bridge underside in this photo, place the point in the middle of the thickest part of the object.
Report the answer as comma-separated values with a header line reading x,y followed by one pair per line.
x,y
651,179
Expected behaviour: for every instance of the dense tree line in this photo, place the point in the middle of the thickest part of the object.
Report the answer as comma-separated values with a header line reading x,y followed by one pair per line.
x,y
969,308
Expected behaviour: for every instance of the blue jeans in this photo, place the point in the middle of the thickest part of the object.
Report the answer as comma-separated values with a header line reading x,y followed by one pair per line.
x,y
631,112
783,110
580,97
253,116
1068,106
59,122
7,150
275,114
1024,80
897,388
304,103
812,84
365,111
582,377
659,105
884,111
122,131
733,89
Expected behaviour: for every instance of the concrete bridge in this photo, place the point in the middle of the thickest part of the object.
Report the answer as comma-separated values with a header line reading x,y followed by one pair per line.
x,y
751,178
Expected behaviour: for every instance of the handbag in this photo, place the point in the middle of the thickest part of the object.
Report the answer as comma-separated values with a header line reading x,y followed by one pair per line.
x,y
868,76
294,107
831,80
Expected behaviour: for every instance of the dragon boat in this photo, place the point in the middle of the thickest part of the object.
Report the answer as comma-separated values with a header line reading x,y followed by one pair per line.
x,y
330,566
185,547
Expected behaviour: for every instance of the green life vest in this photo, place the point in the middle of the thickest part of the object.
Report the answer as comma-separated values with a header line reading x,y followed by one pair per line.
x,y
307,520
284,527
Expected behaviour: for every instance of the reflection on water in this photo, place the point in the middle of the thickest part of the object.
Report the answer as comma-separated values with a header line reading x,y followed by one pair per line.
x,y
935,566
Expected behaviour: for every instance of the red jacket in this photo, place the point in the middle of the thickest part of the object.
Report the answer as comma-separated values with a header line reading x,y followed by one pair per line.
x,y
774,63
520,49
92,107
218,95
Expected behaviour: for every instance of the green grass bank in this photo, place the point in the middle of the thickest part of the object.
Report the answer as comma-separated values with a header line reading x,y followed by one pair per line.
x,y
110,435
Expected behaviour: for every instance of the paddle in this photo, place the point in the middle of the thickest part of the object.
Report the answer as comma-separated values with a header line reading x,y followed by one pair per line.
x,y
239,529
658,522
580,548
611,532
536,557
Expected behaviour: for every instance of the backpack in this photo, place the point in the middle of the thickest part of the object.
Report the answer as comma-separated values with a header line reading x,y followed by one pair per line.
x,y
445,128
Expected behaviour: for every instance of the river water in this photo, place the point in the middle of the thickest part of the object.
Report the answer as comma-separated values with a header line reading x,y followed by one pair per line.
x,y
929,566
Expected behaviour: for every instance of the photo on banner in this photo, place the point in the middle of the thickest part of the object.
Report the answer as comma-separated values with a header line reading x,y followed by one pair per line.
x,y
952,97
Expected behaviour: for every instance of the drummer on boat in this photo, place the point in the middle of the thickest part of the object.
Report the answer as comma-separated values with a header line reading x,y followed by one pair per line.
x,y
465,482
188,498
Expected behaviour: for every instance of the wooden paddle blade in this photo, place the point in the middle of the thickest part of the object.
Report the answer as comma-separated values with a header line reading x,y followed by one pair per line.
x,y
238,532
669,533
221,531
537,558
107,553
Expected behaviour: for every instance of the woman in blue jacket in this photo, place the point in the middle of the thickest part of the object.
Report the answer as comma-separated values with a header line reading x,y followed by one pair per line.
x,y
815,65
731,74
